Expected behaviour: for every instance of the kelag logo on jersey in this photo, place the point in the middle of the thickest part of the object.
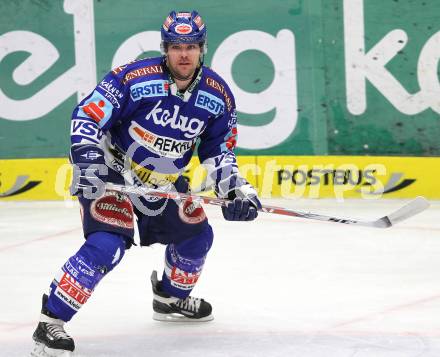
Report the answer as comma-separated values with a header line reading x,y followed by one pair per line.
x,y
209,102
191,127
83,129
156,88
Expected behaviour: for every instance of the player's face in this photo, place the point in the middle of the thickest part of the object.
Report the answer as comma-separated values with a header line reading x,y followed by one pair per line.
x,y
183,59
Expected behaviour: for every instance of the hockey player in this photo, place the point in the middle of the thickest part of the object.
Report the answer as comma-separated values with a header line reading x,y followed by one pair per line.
x,y
140,126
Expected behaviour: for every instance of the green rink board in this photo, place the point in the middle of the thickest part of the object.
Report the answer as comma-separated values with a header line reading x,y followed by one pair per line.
x,y
311,77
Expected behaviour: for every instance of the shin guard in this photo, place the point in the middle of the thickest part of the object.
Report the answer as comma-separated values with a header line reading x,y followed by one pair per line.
x,y
184,263
78,277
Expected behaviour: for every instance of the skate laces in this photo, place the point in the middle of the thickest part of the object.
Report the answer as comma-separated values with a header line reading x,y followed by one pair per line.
x,y
189,304
57,331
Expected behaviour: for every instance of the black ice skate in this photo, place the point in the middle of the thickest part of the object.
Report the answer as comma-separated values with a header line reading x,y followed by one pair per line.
x,y
168,308
50,338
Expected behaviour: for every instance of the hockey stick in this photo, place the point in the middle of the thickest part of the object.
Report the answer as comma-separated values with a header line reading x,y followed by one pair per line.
x,y
410,209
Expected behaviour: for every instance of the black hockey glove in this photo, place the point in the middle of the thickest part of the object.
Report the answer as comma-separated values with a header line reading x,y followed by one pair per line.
x,y
244,204
89,171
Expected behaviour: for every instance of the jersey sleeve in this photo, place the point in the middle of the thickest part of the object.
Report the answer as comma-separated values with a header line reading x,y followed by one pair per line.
x,y
107,104
216,150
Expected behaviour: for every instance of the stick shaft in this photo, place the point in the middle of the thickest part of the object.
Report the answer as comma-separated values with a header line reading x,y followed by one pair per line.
x,y
410,209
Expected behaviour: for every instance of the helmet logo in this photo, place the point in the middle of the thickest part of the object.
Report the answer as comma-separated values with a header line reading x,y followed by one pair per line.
x,y
167,23
199,22
183,29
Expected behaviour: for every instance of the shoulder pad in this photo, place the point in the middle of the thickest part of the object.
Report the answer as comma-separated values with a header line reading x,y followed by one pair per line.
x,y
140,68
216,85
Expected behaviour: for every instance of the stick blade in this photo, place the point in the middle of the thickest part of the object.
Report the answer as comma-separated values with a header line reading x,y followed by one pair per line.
x,y
417,205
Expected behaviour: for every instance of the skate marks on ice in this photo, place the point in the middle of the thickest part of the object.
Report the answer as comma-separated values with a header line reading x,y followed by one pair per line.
x,y
279,287
200,343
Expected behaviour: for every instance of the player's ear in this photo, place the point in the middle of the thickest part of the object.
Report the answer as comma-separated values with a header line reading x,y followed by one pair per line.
x,y
163,48
204,46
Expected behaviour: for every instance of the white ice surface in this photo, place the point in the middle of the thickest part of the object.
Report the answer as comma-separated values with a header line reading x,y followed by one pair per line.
x,y
279,286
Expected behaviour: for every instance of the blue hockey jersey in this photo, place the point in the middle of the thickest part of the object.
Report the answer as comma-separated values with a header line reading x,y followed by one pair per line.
x,y
148,128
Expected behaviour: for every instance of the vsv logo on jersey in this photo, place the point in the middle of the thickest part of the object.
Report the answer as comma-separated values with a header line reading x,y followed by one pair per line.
x,y
156,88
209,102
190,127
87,130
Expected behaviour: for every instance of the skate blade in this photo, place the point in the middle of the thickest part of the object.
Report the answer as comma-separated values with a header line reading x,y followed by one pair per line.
x,y
179,318
41,350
